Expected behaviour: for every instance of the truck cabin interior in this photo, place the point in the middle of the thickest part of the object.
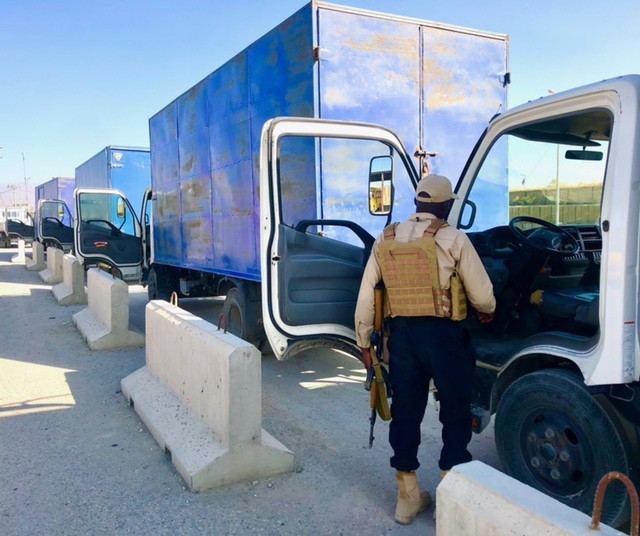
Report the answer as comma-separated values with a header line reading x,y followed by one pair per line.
x,y
545,263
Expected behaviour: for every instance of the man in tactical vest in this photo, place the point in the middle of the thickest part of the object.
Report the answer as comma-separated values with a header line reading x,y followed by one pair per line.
x,y
426,267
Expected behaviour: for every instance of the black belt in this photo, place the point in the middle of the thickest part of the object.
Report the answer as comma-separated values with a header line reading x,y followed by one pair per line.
x,y
400,322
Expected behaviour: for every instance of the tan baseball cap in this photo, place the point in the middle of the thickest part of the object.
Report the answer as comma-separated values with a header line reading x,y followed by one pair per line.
x,y
434,189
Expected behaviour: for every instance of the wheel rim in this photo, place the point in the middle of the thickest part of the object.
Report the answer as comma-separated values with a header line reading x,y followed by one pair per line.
x,y
557,453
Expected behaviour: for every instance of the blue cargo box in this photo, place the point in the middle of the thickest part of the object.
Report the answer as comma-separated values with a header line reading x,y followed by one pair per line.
x,y
437,86
57,188
126,169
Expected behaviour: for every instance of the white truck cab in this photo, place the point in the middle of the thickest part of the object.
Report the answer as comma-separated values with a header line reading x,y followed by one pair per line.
x,y
53,225
107,231
16,223
559,364
550,199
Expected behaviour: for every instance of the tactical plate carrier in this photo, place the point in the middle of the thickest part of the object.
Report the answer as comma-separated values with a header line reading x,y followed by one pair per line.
x,y
410,273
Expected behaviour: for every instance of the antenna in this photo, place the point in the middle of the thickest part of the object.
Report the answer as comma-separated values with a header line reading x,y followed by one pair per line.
x,y
26,189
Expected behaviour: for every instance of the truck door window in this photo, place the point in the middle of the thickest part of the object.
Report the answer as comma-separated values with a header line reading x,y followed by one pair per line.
x,y
56,212
328,179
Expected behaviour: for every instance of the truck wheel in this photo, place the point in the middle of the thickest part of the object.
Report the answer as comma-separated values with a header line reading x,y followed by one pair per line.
x,y
241,315
156,287
554,436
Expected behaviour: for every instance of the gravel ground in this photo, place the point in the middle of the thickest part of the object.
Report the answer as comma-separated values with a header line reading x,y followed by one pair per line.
x,y
75,458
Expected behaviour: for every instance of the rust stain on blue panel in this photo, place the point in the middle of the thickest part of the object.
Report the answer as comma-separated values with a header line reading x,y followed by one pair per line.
x,y
383,70
206,143
463,90
206,146
165,166
369,71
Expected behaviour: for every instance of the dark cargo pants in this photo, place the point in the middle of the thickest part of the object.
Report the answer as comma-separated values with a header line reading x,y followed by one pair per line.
x,y
423,348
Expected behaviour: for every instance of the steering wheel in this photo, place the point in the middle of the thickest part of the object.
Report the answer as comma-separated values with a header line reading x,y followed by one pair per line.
x,y
547,238
106,223
54,220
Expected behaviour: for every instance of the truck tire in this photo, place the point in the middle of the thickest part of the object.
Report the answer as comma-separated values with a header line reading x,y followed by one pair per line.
x,y
156,286
242,315
552,434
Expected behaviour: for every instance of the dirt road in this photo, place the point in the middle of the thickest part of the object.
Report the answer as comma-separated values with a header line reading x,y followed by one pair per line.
x,y
75,458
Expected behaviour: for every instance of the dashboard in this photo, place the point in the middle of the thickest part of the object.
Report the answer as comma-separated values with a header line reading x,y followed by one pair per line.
x,y
498,246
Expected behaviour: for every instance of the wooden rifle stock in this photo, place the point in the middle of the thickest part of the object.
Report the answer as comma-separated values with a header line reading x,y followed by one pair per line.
x,y
378,395
378,318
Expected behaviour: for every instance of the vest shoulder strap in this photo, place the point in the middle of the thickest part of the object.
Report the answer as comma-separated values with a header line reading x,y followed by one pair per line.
x,y
389,232
434,227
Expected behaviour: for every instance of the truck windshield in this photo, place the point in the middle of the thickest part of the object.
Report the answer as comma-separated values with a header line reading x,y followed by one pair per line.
x,y
108,211
552,170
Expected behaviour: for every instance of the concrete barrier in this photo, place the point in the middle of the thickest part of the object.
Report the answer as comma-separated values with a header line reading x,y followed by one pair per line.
x,y
71,291
105,322
36,264
52,274
20,256
200,396
475,499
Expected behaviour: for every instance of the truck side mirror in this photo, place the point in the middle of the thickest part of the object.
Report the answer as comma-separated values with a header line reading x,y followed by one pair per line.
x,y
120,207
381,185
468,215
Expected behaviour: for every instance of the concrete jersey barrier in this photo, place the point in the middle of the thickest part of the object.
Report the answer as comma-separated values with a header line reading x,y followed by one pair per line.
x,y
36,264
20,257
71,291
52,274
105,322
475,499
200,395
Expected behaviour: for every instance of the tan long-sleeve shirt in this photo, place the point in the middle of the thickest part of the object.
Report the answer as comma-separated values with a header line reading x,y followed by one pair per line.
x,y
454,251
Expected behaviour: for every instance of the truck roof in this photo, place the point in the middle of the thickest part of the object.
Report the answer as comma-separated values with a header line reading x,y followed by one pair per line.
x,y
117,148
318,4
627,84
410,20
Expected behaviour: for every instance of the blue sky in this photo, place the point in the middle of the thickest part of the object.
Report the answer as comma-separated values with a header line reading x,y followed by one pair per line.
x,y
77,75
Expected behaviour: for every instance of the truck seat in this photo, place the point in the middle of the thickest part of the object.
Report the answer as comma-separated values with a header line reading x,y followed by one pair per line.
x,y
578,304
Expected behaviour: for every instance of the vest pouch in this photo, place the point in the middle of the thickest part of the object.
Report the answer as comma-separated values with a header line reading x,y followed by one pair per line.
x,y
458,298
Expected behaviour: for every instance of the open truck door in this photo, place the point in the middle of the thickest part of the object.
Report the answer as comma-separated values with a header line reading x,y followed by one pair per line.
x,y
108,232
17,224
146,226
54,224
326,190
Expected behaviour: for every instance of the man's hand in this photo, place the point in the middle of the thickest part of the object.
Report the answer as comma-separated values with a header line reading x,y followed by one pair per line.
x,y
485,318
366,357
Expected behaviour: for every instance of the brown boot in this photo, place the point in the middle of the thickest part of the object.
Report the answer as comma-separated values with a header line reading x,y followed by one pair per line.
x,y
411,501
